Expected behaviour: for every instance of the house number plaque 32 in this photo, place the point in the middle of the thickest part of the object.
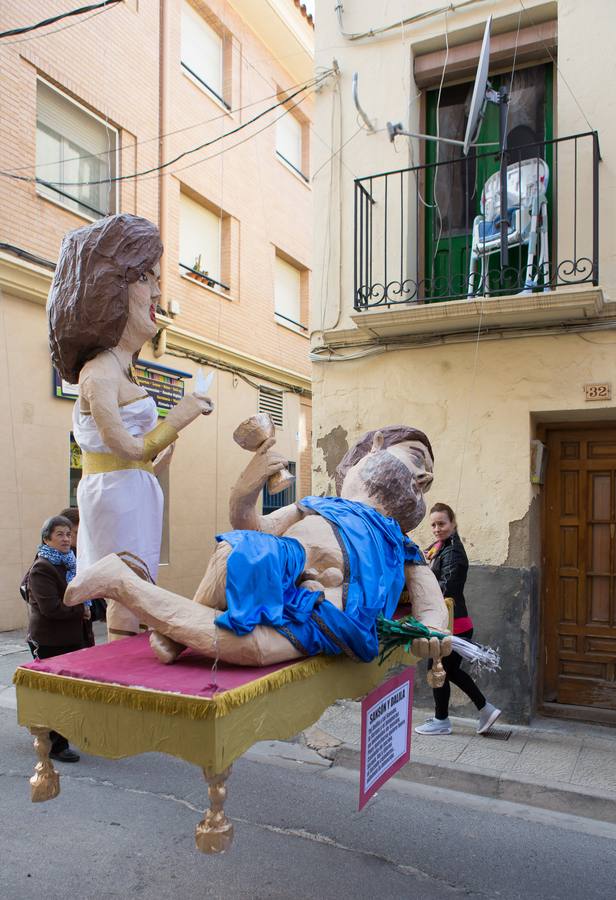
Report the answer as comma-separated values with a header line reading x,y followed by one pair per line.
x,y
598,391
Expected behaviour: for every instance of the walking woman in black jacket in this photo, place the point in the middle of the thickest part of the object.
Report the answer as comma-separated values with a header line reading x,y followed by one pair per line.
x,y
449,562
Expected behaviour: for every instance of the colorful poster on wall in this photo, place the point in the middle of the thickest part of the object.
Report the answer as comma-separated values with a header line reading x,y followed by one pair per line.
x,y
386,720
164,385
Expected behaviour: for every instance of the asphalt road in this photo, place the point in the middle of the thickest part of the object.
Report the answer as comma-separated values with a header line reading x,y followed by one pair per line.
x,y
125,829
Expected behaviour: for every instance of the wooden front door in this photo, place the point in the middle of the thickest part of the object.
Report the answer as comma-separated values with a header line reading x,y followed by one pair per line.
x,y
580,568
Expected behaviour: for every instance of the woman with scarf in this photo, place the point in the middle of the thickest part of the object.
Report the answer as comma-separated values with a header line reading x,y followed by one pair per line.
x,y
54,627
448,560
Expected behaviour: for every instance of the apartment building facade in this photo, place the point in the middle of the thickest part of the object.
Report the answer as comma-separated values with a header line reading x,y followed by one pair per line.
x,y
508,367
133,91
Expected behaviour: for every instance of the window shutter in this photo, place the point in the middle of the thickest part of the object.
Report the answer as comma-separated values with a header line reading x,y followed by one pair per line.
x,y
289,140
271,401
287,290
59,114
74,147
202,49
199,237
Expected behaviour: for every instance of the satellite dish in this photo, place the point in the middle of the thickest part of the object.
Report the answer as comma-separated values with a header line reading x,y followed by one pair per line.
x,y
478,99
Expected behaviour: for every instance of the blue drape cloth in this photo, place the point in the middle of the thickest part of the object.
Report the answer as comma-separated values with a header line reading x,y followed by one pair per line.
x,y
262,571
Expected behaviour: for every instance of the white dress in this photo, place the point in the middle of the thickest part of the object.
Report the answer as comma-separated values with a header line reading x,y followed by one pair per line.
x,y
120,510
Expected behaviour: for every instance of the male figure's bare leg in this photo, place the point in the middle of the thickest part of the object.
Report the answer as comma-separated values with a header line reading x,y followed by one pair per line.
x,y
121,622
211,592
184,621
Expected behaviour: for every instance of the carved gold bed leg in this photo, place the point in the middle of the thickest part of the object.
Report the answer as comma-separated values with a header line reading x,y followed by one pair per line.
x,y
45,783
214,833
436,675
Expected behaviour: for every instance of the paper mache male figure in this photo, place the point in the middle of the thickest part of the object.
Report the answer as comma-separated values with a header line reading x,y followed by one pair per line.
x,y
312,577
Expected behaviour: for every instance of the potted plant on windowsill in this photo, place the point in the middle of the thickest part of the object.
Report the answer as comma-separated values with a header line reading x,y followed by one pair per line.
x,y
200,274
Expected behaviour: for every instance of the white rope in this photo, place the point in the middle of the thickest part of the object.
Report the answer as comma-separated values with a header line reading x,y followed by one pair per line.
x,y
480,657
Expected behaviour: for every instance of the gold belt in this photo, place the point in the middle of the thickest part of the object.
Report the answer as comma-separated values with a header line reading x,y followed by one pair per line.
x,y
95,463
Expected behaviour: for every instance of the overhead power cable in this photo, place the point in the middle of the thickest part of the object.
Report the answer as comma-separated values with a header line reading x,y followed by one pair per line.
x,y
223,115
249,137
24,29
170,162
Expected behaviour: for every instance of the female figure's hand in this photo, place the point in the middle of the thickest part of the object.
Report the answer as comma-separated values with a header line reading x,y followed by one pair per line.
x,y
188,409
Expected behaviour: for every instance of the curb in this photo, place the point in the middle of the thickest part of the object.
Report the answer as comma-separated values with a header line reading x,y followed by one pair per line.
x,y
552,795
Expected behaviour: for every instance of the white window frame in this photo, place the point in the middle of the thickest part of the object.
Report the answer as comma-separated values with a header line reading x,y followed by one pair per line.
x,y
84,211
215,91
288,321
281,123
188,268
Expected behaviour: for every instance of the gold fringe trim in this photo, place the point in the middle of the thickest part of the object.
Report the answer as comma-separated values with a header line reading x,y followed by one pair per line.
x,y
171,704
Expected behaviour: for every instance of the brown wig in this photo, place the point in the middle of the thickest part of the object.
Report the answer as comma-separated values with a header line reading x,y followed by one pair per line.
x,y
87,307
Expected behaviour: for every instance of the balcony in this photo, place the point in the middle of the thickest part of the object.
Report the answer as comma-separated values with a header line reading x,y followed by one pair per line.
x,y
427,239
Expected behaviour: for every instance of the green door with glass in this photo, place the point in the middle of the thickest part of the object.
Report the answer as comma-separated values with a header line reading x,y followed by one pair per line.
x,y
453,184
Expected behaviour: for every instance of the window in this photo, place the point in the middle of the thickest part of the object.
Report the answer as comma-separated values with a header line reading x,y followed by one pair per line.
x,y
72,146
271,401
74,472
272,502
200,243
289,142
288,292
202,52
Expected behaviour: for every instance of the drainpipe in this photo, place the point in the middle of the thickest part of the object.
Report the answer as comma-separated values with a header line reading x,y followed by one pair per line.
x,y
163,99
159,343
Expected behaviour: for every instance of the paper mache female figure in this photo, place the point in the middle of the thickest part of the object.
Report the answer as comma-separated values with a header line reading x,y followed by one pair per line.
x,y
309,578
101,310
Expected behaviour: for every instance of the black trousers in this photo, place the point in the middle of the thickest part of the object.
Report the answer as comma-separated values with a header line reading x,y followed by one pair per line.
x,y
58,741
459,677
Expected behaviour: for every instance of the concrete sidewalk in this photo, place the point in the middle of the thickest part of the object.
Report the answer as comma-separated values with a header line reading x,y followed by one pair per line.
x,y
563,766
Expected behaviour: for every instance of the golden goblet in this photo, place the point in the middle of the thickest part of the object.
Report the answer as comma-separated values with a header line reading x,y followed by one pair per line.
x,y
251,434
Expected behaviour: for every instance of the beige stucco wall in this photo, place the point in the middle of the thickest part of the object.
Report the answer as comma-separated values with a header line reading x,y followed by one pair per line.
x,y
480,424
479,404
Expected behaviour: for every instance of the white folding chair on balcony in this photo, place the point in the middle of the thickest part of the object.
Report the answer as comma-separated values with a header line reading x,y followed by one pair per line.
x,y
527,216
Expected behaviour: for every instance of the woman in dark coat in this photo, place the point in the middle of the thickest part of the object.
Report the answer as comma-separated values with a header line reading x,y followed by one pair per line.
x,y
449,562
54,628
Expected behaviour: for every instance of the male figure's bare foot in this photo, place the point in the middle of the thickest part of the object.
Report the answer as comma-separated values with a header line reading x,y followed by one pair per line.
x,y
165,649
101,579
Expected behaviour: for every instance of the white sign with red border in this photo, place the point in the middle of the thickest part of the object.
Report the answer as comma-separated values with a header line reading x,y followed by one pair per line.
x,y
386,719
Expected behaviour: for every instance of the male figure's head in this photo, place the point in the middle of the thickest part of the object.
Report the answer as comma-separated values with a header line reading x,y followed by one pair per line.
x,y
389,469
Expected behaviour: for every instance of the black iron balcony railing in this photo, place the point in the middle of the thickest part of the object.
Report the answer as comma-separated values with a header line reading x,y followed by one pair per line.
x,y
431,233
204,278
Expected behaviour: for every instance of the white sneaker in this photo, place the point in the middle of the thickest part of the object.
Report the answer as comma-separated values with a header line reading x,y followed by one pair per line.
x,y
435,726
487,717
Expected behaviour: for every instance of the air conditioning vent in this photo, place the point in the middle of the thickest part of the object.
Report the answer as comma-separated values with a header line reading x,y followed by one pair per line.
x,y
270,401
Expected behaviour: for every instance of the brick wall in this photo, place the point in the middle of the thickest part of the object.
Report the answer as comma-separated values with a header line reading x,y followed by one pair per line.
x,y
110,64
